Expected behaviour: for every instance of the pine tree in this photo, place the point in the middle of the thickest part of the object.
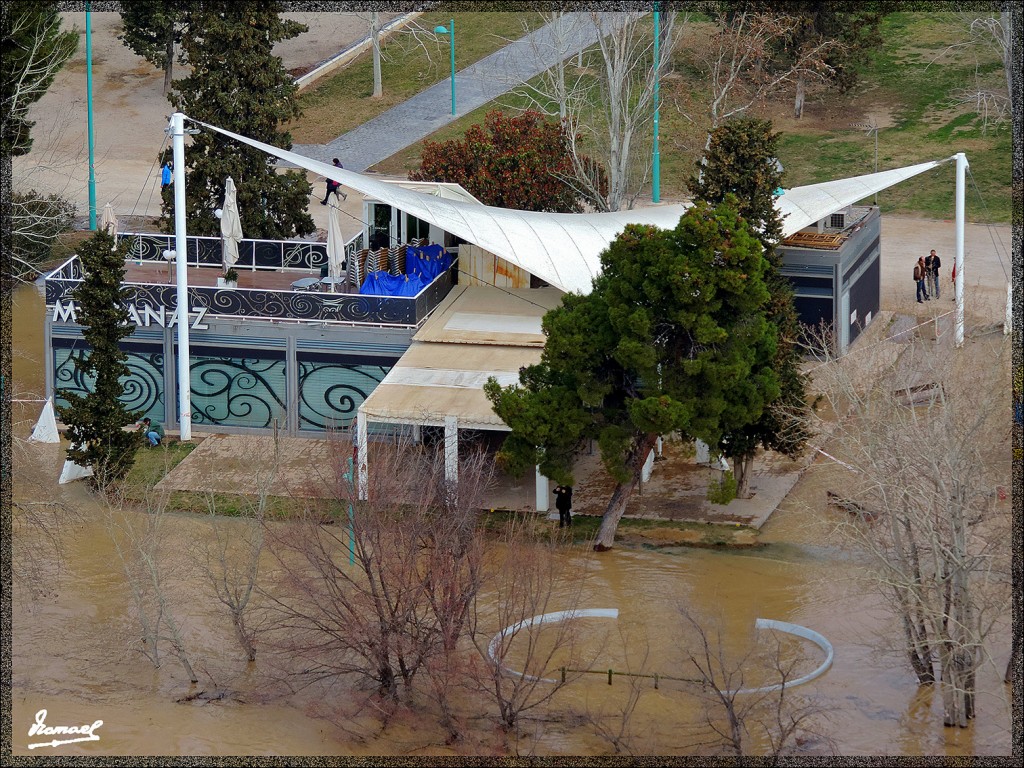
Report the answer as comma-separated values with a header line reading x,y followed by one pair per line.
x,y
672,337
741,161
152,28
34,50
238,84
96,420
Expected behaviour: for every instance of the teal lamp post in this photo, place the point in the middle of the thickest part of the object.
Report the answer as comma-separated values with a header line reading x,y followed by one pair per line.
x,y
88,98
450,30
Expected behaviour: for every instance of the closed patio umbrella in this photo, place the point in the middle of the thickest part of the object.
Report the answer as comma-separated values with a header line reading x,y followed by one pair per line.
x,y
230,226
108,221
335,245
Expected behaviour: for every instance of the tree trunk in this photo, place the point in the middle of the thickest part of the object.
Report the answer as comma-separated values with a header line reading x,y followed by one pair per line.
x,y
378,87
741,466
1014,661
169,65
798,105
617,505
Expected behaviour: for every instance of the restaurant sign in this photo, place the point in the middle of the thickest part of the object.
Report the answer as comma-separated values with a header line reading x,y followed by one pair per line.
x,y
144,316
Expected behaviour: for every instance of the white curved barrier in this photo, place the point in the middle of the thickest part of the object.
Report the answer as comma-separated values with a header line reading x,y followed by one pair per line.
x,y
613,613
807,634
549,618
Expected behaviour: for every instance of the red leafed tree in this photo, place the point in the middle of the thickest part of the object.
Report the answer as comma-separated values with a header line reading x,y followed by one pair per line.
x,y
520,162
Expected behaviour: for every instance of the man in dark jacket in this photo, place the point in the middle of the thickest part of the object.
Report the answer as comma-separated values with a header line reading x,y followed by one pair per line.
x,y
932,264
563,503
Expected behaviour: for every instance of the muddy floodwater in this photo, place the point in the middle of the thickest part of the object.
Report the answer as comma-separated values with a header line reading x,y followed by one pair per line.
x,y
75,644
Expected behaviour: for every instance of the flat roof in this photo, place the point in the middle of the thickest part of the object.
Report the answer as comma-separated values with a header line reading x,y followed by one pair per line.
x,y
478,314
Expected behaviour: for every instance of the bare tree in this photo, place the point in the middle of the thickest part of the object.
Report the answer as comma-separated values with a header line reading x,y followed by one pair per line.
x,y
607,105
767,718
382,594
230,559
519,651
139,538
993,32
616,725
926,445
736,59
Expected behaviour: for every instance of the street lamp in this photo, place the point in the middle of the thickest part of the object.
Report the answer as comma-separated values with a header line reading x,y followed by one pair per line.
x,y
450,30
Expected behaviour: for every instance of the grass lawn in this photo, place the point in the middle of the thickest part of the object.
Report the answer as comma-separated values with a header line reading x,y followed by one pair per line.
x,y
634,532
152,464
907,89
344,101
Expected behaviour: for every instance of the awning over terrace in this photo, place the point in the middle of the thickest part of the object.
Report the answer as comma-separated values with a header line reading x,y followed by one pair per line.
x,y
474,333
435,381
564,249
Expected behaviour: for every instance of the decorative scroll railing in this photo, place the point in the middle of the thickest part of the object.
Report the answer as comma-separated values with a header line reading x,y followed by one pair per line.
x,y
283,305
252,254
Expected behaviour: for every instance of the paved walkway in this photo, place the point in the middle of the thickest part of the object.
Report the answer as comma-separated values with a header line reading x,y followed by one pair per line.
x,y
475,85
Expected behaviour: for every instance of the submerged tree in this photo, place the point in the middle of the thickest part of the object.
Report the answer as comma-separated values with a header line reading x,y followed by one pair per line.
x,y
238,84
522,162
925,460
741,161
673,337
96,420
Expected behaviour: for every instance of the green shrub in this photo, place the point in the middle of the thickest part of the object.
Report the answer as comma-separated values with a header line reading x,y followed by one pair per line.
x,y
724,490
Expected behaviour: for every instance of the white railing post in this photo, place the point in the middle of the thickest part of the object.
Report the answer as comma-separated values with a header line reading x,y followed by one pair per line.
x,y
958,286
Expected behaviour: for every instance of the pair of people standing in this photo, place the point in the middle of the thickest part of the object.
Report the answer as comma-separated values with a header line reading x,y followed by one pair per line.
x,y
926,273
334,187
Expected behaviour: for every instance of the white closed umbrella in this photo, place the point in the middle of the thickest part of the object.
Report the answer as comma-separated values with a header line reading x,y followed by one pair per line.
x,y
108,221
230,226
335,245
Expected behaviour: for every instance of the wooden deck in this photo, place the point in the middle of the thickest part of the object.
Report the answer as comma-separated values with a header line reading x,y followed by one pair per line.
x,y
206,277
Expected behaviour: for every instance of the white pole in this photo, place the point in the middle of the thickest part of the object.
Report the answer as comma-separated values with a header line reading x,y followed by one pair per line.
x,y
181,248
451,449
1008,322
542,492
362,454
958,286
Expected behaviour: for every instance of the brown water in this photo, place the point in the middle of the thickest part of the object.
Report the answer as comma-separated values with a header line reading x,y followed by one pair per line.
x,y
74,638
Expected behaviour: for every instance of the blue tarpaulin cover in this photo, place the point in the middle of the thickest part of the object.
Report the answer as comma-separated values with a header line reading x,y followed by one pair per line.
x,y
383,284
428,262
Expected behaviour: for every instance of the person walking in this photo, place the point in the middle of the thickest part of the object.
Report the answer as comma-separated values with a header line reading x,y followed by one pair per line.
x,y
932,263
334,186
563,503
920,273
167,174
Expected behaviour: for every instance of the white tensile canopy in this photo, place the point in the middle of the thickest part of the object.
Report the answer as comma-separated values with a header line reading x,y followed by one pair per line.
x,y
230,225
564,249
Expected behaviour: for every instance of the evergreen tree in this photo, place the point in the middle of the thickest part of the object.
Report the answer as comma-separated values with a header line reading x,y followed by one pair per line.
x,y
741,162
672,338
96,420
523,162
238,84
152,28
34,50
